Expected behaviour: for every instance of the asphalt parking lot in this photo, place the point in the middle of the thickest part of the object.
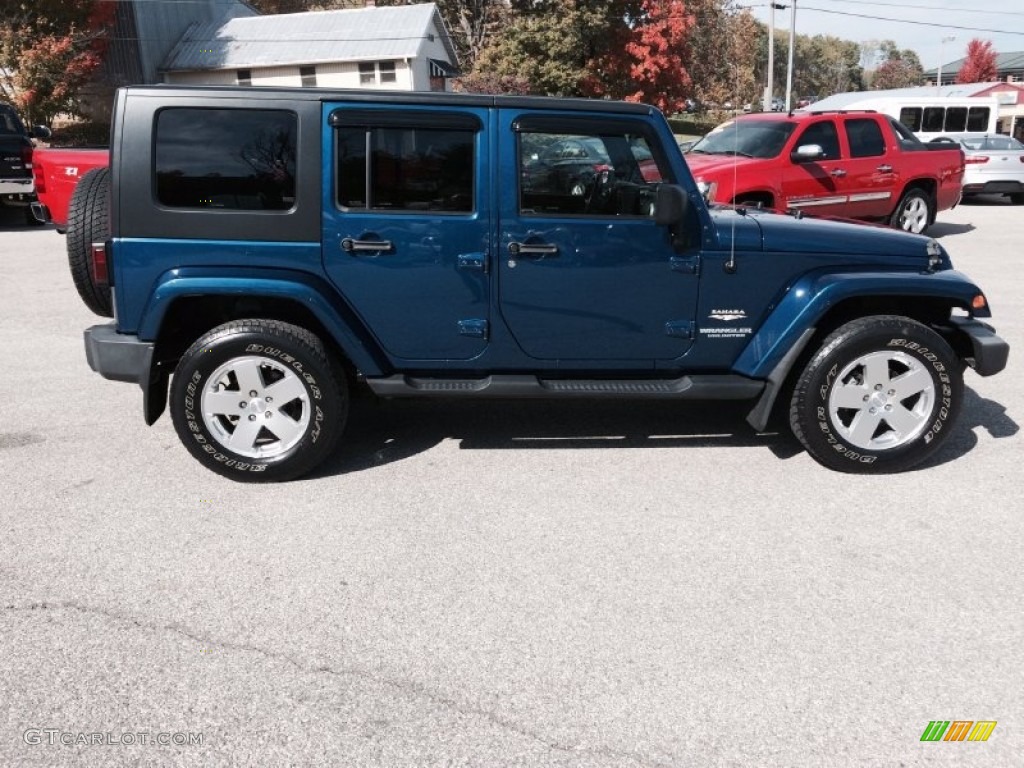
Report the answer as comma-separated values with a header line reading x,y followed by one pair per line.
x,y
500,584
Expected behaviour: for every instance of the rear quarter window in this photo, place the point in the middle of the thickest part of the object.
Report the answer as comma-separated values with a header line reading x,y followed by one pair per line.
x,y
228,159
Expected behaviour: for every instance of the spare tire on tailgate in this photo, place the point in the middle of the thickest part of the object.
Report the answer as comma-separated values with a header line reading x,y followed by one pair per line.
x,y
88,223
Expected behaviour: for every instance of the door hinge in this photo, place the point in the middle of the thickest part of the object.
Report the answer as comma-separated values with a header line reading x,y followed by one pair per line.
x,y
681,329
475,328
687,265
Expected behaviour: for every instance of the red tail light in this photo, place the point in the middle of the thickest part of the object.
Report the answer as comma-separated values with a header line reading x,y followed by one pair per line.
x,y
601,167
98,262
26,156
39,179
977,159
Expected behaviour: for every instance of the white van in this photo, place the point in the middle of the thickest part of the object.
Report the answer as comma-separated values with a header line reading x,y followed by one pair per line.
x,y
930,117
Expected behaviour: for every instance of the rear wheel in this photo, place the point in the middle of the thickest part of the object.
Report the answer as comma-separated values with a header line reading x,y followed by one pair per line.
x,y
257,400
914,213
881,395
88,223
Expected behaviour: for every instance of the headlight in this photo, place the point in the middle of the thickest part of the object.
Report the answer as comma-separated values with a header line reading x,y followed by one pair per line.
x,y
707,189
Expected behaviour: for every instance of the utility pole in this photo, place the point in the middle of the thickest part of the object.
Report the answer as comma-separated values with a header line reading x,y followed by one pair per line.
x,y
942,43
769,94
789,68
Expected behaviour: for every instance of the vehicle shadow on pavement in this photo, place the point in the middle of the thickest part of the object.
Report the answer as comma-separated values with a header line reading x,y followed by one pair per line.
x,y
381,432
977,412
942,228
13,219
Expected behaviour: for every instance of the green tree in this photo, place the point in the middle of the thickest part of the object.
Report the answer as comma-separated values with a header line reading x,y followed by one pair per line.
x,y
559,46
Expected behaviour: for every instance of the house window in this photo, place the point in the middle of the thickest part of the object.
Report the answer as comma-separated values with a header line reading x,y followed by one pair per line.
x,y
308,75
367,73
231,159
244,76
387,72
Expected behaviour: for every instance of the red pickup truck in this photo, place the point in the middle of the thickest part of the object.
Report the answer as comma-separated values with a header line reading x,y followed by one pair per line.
x,y
856,165
56,172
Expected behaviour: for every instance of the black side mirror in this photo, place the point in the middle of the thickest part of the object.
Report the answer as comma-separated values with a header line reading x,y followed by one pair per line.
x,y
670,205
40,132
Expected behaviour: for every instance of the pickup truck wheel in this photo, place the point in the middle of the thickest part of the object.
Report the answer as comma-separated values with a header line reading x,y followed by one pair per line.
x,y
257,400
880,395
914,212
1017,198
89,222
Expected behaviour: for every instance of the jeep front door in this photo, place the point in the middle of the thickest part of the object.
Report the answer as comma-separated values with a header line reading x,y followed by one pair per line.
x,y
584,273
406,225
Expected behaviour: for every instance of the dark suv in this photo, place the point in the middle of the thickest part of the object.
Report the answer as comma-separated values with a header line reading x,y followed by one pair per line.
x,y
265,251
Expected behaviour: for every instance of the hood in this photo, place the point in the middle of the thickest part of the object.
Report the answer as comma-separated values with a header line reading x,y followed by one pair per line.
x,y
785,233
713,164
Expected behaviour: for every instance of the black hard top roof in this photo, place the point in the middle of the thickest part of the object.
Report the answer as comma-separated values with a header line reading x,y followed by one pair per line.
x,y
391,97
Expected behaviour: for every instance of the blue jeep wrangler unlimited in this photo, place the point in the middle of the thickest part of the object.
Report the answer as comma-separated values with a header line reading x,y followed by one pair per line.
x,y
274,248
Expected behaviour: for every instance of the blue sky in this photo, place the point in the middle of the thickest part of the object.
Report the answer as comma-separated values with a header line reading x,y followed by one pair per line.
x,y
917,24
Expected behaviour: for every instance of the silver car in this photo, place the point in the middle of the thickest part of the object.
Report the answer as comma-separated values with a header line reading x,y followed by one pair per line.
x,y
994,166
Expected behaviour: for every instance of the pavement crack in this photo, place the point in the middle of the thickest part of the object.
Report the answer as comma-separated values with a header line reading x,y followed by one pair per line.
x,y
407,687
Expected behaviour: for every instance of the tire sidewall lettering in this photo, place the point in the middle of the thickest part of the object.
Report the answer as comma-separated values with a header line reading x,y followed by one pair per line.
x,y
191,392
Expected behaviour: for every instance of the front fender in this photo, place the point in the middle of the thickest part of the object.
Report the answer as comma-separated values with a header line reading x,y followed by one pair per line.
x,y
303,288
815,293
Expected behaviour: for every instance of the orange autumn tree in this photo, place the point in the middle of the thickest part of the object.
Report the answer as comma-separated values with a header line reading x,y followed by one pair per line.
x,y
49,49
980,64
657,54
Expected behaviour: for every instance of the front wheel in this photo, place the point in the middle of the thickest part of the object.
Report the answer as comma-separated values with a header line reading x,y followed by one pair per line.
x,y
914,213
880,395
257,400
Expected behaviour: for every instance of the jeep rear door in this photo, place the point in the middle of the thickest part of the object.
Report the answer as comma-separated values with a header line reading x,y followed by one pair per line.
x,y
584,273
406,224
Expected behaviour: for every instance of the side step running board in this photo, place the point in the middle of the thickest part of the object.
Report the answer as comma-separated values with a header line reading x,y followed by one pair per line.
x,y
706,387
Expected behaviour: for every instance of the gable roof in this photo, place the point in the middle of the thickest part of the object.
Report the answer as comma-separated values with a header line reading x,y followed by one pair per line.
x,y
355,34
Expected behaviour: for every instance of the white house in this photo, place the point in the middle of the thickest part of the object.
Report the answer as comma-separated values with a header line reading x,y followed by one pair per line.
x,y
403,47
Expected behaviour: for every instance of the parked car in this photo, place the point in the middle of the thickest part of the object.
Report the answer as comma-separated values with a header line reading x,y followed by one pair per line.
x,y
260,319
56,172
994,166
858,165
16,150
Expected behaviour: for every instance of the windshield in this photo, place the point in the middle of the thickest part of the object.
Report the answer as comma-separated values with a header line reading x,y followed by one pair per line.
x,y
748,138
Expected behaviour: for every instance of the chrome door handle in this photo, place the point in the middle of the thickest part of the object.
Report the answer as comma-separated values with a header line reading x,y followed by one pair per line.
x,y
884,169
838,173
350,245
532,249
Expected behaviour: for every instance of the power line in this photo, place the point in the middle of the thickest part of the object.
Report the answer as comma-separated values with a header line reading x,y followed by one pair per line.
x,y
908,7
941,25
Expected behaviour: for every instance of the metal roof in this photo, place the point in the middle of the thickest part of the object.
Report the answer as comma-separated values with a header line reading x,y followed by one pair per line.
x,y
355,34
845,100
1005,62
